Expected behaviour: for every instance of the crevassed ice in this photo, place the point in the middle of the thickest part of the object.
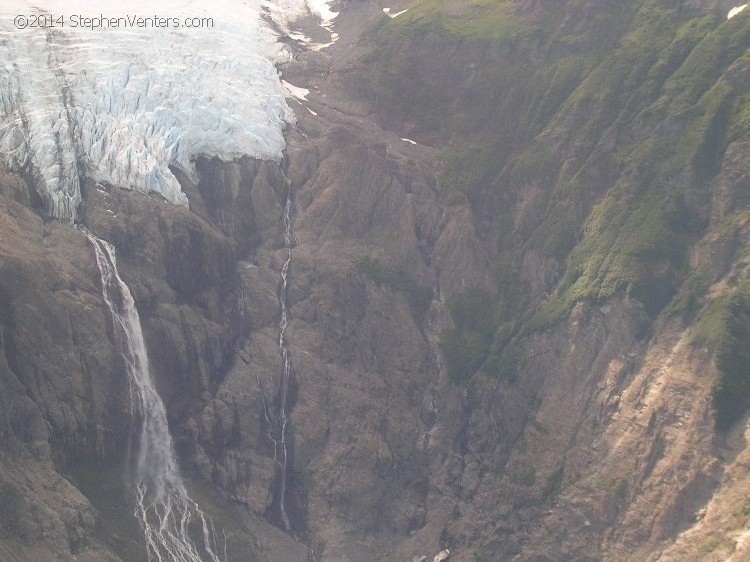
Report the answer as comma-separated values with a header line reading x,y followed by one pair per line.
x,y
122,105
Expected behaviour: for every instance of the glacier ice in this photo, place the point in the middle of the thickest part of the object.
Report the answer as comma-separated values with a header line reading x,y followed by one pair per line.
x,y
123,105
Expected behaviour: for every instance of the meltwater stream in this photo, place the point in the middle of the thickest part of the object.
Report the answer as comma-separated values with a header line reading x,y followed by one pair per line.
x,y
289,243
286,372
276,423
164,509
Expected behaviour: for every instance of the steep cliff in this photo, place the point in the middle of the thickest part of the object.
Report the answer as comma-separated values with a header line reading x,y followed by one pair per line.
x,y
599,150
518,304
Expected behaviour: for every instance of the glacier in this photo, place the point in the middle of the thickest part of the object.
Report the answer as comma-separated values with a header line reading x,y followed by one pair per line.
x,y
122,105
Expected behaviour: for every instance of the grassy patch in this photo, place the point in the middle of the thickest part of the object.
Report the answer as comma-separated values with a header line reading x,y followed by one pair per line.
x,y
688,302
636,239
731,394
630,246
478,19
712,326
603,129
724,327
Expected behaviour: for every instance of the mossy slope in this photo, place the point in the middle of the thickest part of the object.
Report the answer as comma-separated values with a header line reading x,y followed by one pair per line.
x,y
585,136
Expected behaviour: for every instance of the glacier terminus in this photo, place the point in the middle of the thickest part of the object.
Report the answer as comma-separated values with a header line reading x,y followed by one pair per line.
x,y
123,105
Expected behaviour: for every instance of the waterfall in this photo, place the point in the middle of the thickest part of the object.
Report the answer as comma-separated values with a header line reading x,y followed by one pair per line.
x,y
276,425
285,358
163,507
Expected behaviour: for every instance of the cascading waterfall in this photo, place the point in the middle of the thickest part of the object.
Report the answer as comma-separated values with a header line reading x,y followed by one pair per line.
x,y
285,358
164,509
276,425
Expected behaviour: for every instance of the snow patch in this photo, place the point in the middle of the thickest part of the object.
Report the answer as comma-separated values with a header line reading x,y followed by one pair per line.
x,y
320,46
390,15
285,12
295,91
736,10
299,36
321,9
311,111
409,141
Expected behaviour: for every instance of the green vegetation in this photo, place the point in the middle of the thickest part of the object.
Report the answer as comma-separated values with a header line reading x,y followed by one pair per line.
x,y
740,123
467,346
724,328
468,172
712,324
484,19
636,238
488,95
636,246
587,141
727,325
687,303
419,297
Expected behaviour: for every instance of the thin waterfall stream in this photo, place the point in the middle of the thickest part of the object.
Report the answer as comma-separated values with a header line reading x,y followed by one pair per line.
x,y
164,509
276,425
289,243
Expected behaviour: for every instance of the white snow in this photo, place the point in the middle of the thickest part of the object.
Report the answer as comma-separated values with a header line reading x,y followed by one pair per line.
x,y
295,91
320,8
299,36
123,104
390,15
284,12
409,141
442,556
311,111
736,10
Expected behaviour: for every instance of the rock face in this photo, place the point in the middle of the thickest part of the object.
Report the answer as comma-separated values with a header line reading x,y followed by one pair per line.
x,y
506,335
